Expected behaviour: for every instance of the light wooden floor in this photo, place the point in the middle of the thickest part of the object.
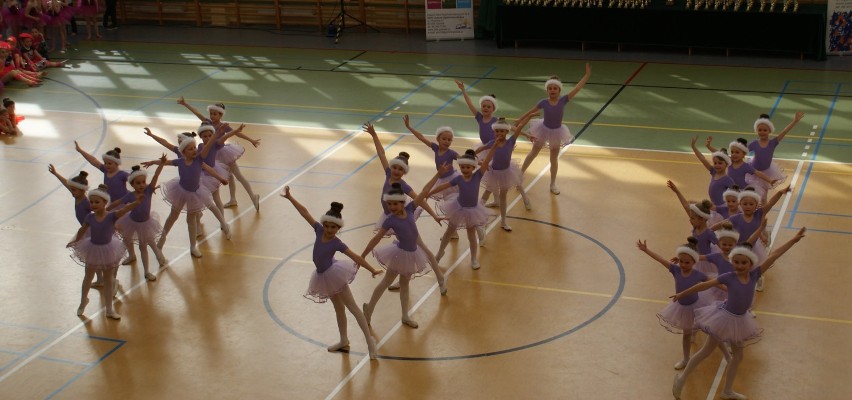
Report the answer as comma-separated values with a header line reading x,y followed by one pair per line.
x,y
563,307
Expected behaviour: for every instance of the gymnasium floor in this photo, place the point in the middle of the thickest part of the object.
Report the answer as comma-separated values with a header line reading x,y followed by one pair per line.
x,y
562,308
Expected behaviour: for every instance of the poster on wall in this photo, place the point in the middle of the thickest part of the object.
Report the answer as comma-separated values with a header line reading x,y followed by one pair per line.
x,y
449,19
839,39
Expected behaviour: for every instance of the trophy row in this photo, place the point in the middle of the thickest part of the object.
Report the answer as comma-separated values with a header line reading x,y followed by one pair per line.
x,y
719,5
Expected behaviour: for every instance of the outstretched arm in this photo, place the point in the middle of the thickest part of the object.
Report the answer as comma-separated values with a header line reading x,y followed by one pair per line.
x,y
130,206
362,262
763,176
380,150
698,287
212,172
61,178
581,83
415,132
788,128
373,242
518,128
90,158
643,245
774,199
778,252
708,143
470,106
156,176
80,233
420,198
683,202
699,155
227,135
192,109
299,207
757,232
163,142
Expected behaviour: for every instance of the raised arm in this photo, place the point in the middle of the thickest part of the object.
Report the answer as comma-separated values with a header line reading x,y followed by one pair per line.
x,y
581,83
757,232
298,206
486,162
130,206
683,202
699,155
192,109
521,123
205,148
708,143
373,242
415,132
156,176
90,158
778,252
212,172
61,178
380,150
698,287
240,134
227,135
774,199
470,106
362,262
643,246
419,200
788,128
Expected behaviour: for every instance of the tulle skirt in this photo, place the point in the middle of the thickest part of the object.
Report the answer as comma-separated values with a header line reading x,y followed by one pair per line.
x,y
679,318
707,268
212,184
738,330
140,232
58,19
178,197
775,172
496,179
87,10
331,282
444,194
408,264
383,217
715,217
98,256
464,217
559,137
229,154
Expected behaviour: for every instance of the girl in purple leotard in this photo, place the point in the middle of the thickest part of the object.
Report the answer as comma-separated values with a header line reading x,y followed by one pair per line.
x,y
763,150
699,214
331,278
728,322
719,179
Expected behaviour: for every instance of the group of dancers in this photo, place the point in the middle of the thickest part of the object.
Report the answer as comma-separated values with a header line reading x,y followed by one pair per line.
x,y
718,270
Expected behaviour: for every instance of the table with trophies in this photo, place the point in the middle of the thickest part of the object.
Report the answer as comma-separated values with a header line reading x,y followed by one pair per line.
x,y
738,26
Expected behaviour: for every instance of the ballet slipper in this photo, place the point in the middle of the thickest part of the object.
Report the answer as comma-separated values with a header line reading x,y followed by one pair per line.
x,y
150,277
113,315
681,365
342,347
230,203
393,286
129,260
82,307
256,201
410,322
677,387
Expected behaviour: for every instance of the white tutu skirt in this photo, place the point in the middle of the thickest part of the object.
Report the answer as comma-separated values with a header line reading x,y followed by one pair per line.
x,y
180,198
717,294
679,318
444,194
212,184
331,282
508,178
383,217
559,137
464,217
715,217
98,256
229,153
738,330
707,268
761,186
408,264
140,232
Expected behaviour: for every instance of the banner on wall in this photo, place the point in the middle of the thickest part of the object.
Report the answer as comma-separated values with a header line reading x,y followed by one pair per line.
x,y
449,19
839,30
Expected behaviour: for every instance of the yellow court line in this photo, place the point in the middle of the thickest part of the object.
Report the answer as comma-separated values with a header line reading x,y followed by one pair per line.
x,y
645,300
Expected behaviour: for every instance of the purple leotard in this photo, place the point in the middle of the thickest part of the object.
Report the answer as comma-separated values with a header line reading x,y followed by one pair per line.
x,y
190,175
740,295
324,251
142,212
552,113
386,187
468,190
718,186
486,132
746,229
739,174
101,231
723,265
82,209
447,158
722,209
117,184
763,155
503,155
211,155
705,239
685,282
405,229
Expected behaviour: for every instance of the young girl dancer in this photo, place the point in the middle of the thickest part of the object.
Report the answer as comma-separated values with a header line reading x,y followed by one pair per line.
x,y
764,150
331,278
731,206
207,132
443,154
738,170
504,172
728,322
699,214
141,225
230,153
99,252
464,209
404,258
719,179
727,239
78,186
57,18
88,9
395,169
549,130
186,193
678,316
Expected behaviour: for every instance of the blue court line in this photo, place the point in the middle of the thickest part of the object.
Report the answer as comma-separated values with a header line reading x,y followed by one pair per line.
x,y
778,100
90,366
823,214
821,230
417,124
814,155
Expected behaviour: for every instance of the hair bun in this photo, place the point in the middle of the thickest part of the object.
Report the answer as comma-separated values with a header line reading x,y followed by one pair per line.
x,y
493,95
554,77
470,152
742,141
135,168
117,150
396,186
83,174
766,116
727,225
404,155
692,242
103,187
337,206
190,134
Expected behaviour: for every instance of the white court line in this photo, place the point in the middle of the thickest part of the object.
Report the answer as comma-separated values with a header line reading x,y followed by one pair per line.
x,y
775,228
76,327
413,309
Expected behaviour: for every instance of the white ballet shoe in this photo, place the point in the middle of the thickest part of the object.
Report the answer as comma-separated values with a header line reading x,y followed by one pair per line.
x,y
492,204
82,307
342,347
442,285
226,230
480,233
506,227
367,314
474,264
527,204
113,315
677,387
681,365
410,323
150,277
230,203
394,286
195,252
161,259
554,189
256,201
129,260
371,348
733,396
